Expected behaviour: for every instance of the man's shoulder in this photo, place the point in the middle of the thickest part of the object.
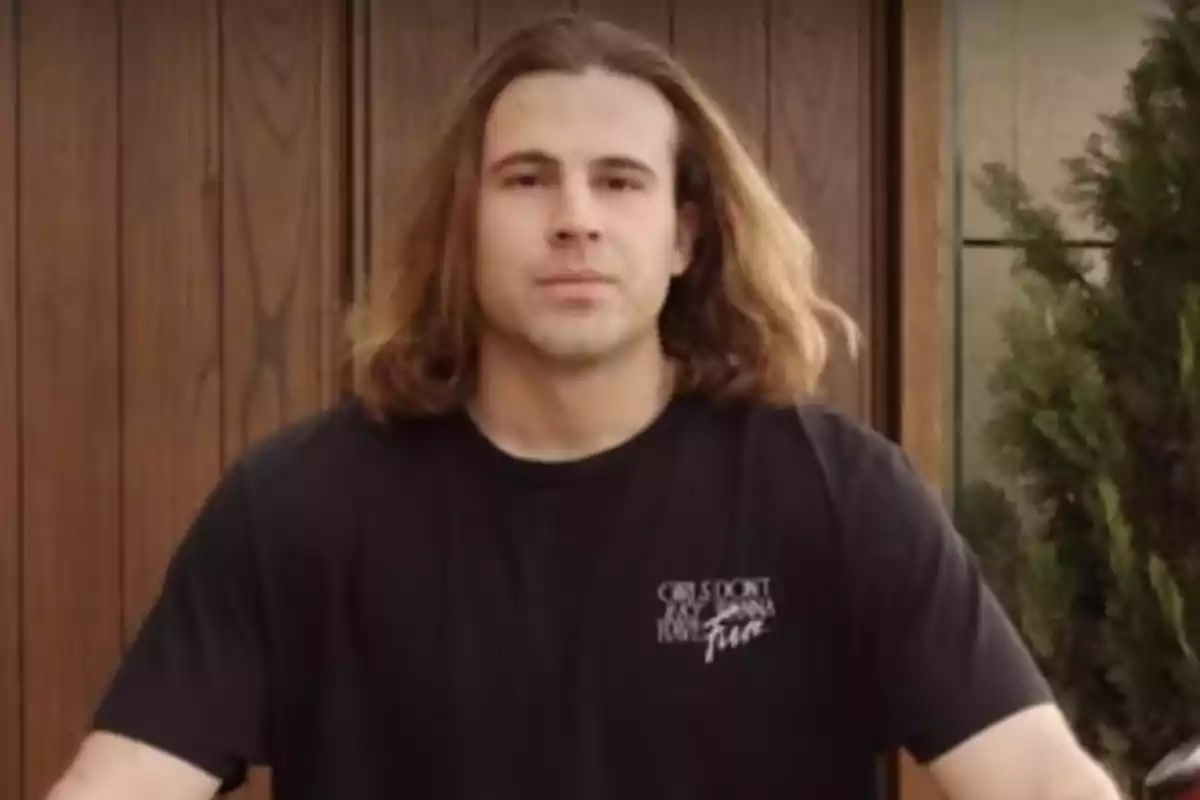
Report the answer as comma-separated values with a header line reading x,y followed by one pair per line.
x,y
843,442
821,445
304,485
333,426
833,439
328,448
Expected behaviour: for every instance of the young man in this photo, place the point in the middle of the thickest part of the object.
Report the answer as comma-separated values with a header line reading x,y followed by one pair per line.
x,y
581,535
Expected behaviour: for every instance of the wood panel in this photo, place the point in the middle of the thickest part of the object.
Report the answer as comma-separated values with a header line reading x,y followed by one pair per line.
x,y
649,17
171,287
921,418
335,283
921,320
724,46
278,120
282,213
358,145
170,229
822,152
70,381
417,51
497,17
10,494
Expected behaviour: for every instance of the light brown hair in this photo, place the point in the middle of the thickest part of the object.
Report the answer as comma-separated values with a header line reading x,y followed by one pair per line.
x,y
745,321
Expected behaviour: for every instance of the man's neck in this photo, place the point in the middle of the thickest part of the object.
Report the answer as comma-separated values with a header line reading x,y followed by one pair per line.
x,y
531,410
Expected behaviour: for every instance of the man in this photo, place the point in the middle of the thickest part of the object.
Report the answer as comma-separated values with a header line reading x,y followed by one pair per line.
x,y
581,534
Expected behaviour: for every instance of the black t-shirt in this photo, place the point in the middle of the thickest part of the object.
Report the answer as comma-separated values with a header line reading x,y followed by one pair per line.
x,y
738,602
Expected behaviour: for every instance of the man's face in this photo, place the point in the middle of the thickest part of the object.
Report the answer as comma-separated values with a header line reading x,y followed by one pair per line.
x,y
578,235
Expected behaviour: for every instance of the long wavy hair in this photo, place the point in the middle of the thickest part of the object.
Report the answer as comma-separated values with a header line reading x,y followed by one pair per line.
x,y
745,321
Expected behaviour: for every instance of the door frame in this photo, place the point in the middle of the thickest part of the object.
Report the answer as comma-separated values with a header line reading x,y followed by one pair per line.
x,y
916,198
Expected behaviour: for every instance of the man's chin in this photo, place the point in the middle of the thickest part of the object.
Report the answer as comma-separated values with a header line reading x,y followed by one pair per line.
x,y
570,344
576,356
573,350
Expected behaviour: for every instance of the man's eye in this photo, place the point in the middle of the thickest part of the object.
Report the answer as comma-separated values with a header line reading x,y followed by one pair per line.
x,y
522,180
622,183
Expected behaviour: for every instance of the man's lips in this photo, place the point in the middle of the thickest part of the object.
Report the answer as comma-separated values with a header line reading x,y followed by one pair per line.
x,y
574,278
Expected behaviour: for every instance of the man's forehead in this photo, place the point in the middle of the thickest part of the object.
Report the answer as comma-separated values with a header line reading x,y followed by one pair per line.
x,y
581,115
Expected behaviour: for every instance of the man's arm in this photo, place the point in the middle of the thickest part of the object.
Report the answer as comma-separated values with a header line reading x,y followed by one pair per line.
x,y
184,714
949,673
1031,754
111,767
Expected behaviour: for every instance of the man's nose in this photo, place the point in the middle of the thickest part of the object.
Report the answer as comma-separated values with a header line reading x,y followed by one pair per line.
x,y
575,219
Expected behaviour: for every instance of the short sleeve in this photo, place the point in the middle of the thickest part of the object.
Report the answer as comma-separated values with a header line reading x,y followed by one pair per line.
x,y
191,682
945,659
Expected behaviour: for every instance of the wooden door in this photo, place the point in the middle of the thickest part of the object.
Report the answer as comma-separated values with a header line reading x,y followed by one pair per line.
x,y
171,252
189,190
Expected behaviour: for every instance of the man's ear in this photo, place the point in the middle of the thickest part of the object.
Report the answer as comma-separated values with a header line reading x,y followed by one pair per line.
x,y
687,229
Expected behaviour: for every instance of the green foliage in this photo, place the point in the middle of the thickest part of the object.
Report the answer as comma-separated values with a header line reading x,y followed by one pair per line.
x,y
1097,420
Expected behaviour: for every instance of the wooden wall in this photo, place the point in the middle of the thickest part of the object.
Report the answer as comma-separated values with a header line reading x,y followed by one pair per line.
x,y
919,315
171,251
11,760
187,187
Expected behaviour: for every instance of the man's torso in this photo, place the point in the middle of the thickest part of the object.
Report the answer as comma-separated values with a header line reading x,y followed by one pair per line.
x,y
663,622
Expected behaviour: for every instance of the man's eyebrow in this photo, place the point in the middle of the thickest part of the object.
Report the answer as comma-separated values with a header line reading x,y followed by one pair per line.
x,y
537,158
540,158
625,162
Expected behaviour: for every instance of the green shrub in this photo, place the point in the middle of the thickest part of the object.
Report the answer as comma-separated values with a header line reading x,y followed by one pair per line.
x,y
1094,544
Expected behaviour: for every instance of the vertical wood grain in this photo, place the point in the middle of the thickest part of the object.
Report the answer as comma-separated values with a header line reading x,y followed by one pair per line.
x,y
499,17
822,152
10,482
417,52
359,181
170,168
70,382
920,247
358,139
282,229
276,218
921,318
650,18
335,289
880,188
724,46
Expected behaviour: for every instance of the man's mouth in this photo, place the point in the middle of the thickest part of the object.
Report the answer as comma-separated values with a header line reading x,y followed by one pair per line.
x,y
574,278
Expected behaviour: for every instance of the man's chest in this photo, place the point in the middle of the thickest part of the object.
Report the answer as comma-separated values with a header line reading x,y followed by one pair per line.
x,y
716,597
640,636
